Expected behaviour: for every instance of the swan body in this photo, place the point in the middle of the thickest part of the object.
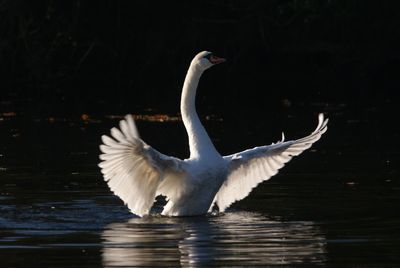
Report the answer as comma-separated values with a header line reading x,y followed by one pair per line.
x,y
137,173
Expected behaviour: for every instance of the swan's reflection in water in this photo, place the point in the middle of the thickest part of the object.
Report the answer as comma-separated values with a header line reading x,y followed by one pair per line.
x,y
238,238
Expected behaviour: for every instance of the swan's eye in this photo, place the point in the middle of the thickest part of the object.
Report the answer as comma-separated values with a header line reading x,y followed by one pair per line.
x,y
209,56
213,59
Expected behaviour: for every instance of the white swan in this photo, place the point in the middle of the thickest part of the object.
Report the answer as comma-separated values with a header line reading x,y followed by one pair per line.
x,y
137,173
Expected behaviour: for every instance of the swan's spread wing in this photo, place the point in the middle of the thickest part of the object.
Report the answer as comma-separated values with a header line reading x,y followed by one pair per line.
x,y
133,169
250,167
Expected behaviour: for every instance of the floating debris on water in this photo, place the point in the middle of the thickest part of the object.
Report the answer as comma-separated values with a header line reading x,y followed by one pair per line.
x,y
85,117
89,119
157,118
113,116
9,114
148,118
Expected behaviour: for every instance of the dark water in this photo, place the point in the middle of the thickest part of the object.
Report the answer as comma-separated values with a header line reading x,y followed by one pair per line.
x,y
335,204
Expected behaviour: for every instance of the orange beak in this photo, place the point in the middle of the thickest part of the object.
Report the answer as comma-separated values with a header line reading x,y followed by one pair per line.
x,y
216,60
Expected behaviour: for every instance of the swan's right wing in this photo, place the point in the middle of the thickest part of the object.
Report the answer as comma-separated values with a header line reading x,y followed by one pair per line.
x,y
249,168
133,169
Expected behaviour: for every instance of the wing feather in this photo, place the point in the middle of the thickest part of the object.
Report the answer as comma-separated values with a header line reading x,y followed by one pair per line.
x,y
132,169
250,167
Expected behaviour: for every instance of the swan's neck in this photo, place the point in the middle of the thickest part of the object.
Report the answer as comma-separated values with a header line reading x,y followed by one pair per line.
x,y
199,141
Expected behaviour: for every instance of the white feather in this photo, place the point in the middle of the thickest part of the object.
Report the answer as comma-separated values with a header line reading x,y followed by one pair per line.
x,y
132,168
266,159
137,173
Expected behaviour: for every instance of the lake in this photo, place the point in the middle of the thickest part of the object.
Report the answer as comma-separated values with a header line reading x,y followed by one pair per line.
x,y
335,204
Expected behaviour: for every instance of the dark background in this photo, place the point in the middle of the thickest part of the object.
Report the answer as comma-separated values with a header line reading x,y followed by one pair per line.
x,y
287,61
69,56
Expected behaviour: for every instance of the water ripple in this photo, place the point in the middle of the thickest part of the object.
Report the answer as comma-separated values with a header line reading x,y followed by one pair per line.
x,y
239,238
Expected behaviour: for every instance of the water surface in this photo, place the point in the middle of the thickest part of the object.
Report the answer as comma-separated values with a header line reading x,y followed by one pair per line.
x,y
336,204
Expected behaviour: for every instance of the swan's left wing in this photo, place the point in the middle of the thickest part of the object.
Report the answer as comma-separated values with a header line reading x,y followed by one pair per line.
x,y
248,168
134,170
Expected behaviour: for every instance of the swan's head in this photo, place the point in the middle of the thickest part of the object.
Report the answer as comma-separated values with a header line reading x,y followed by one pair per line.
x,y
206,59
